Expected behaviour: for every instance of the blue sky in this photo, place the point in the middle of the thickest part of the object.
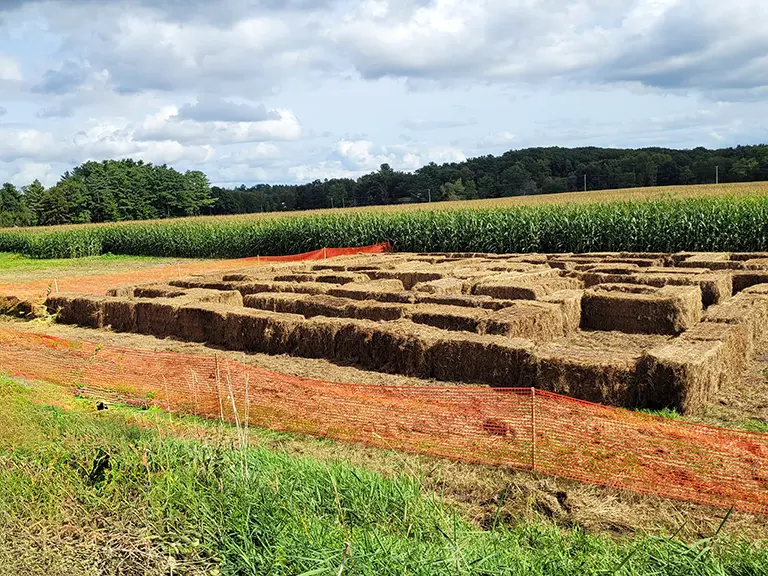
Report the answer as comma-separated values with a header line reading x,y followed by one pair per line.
x,y
289,91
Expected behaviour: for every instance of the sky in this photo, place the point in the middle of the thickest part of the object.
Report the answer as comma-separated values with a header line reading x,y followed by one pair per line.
x,y
290,91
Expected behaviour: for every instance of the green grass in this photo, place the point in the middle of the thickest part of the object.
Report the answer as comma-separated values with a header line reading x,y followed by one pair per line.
x,y
18,267
704,224
86,492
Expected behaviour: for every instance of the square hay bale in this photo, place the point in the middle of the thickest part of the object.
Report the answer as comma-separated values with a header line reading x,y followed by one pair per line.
x,y
570,306
342,278
372,310
403,348
229,297
409,278
442,286
750,309
711,260
745,278
530,286
535,321
261,331
737,346
60,304
608,268
757,289
484,359
120,314
683,374
296,277
157,316
379,290
634,308
604,376
246,288
201,323
756,264
274,301
13,306
156,291
449,317
742,256
316,337
126,291
468,300
85,311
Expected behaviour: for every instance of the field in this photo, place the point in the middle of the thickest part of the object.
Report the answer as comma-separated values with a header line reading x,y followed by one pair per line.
x,y
376,413
728,217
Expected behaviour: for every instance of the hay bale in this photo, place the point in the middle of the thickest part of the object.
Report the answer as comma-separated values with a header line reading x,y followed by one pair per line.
x,y
120,314
342,278
711,260
409,278
492,360
157,316
570,307
608,268
379,290
157,291
316,337
683,374
202,323
468,300
372,310
230,297
744,256
126,291
85,311
291,303
449,317
442,286
756,264
535,321
750,309
745,278
13,306
261,331
246,288
525,286
737,346
641,309
604,376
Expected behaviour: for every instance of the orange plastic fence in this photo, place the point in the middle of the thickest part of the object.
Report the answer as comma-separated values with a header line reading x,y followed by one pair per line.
x,y
37,289
523,428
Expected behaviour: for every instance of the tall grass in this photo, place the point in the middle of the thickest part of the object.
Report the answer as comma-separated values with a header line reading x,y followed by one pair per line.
x,y
152,503
706,224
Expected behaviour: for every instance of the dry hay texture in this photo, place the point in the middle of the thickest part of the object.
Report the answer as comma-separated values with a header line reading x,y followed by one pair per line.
x,y
683,326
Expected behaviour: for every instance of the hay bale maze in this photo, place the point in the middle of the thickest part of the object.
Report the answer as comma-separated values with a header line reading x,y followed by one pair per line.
x,y
627,329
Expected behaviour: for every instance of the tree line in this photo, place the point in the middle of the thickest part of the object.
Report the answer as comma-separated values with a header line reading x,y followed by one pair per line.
x,y
115,190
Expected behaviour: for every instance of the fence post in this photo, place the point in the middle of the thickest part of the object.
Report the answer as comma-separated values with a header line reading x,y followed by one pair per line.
x,y
533,429
325,254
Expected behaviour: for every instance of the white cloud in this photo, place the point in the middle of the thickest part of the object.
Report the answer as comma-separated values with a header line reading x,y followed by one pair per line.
x,y
10,69
28,172
279,125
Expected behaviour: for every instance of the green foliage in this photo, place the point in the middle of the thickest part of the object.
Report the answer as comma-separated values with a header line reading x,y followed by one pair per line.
x,y
708,224
213,507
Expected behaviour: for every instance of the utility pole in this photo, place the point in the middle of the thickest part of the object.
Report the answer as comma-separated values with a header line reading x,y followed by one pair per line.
x,y
429,194
585,182
717,174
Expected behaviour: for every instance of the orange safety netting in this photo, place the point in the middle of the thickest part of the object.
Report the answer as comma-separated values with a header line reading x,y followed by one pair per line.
x,y
37,290
524,428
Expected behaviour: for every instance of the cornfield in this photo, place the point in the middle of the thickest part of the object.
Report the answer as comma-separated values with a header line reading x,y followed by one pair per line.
x,y
734,223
